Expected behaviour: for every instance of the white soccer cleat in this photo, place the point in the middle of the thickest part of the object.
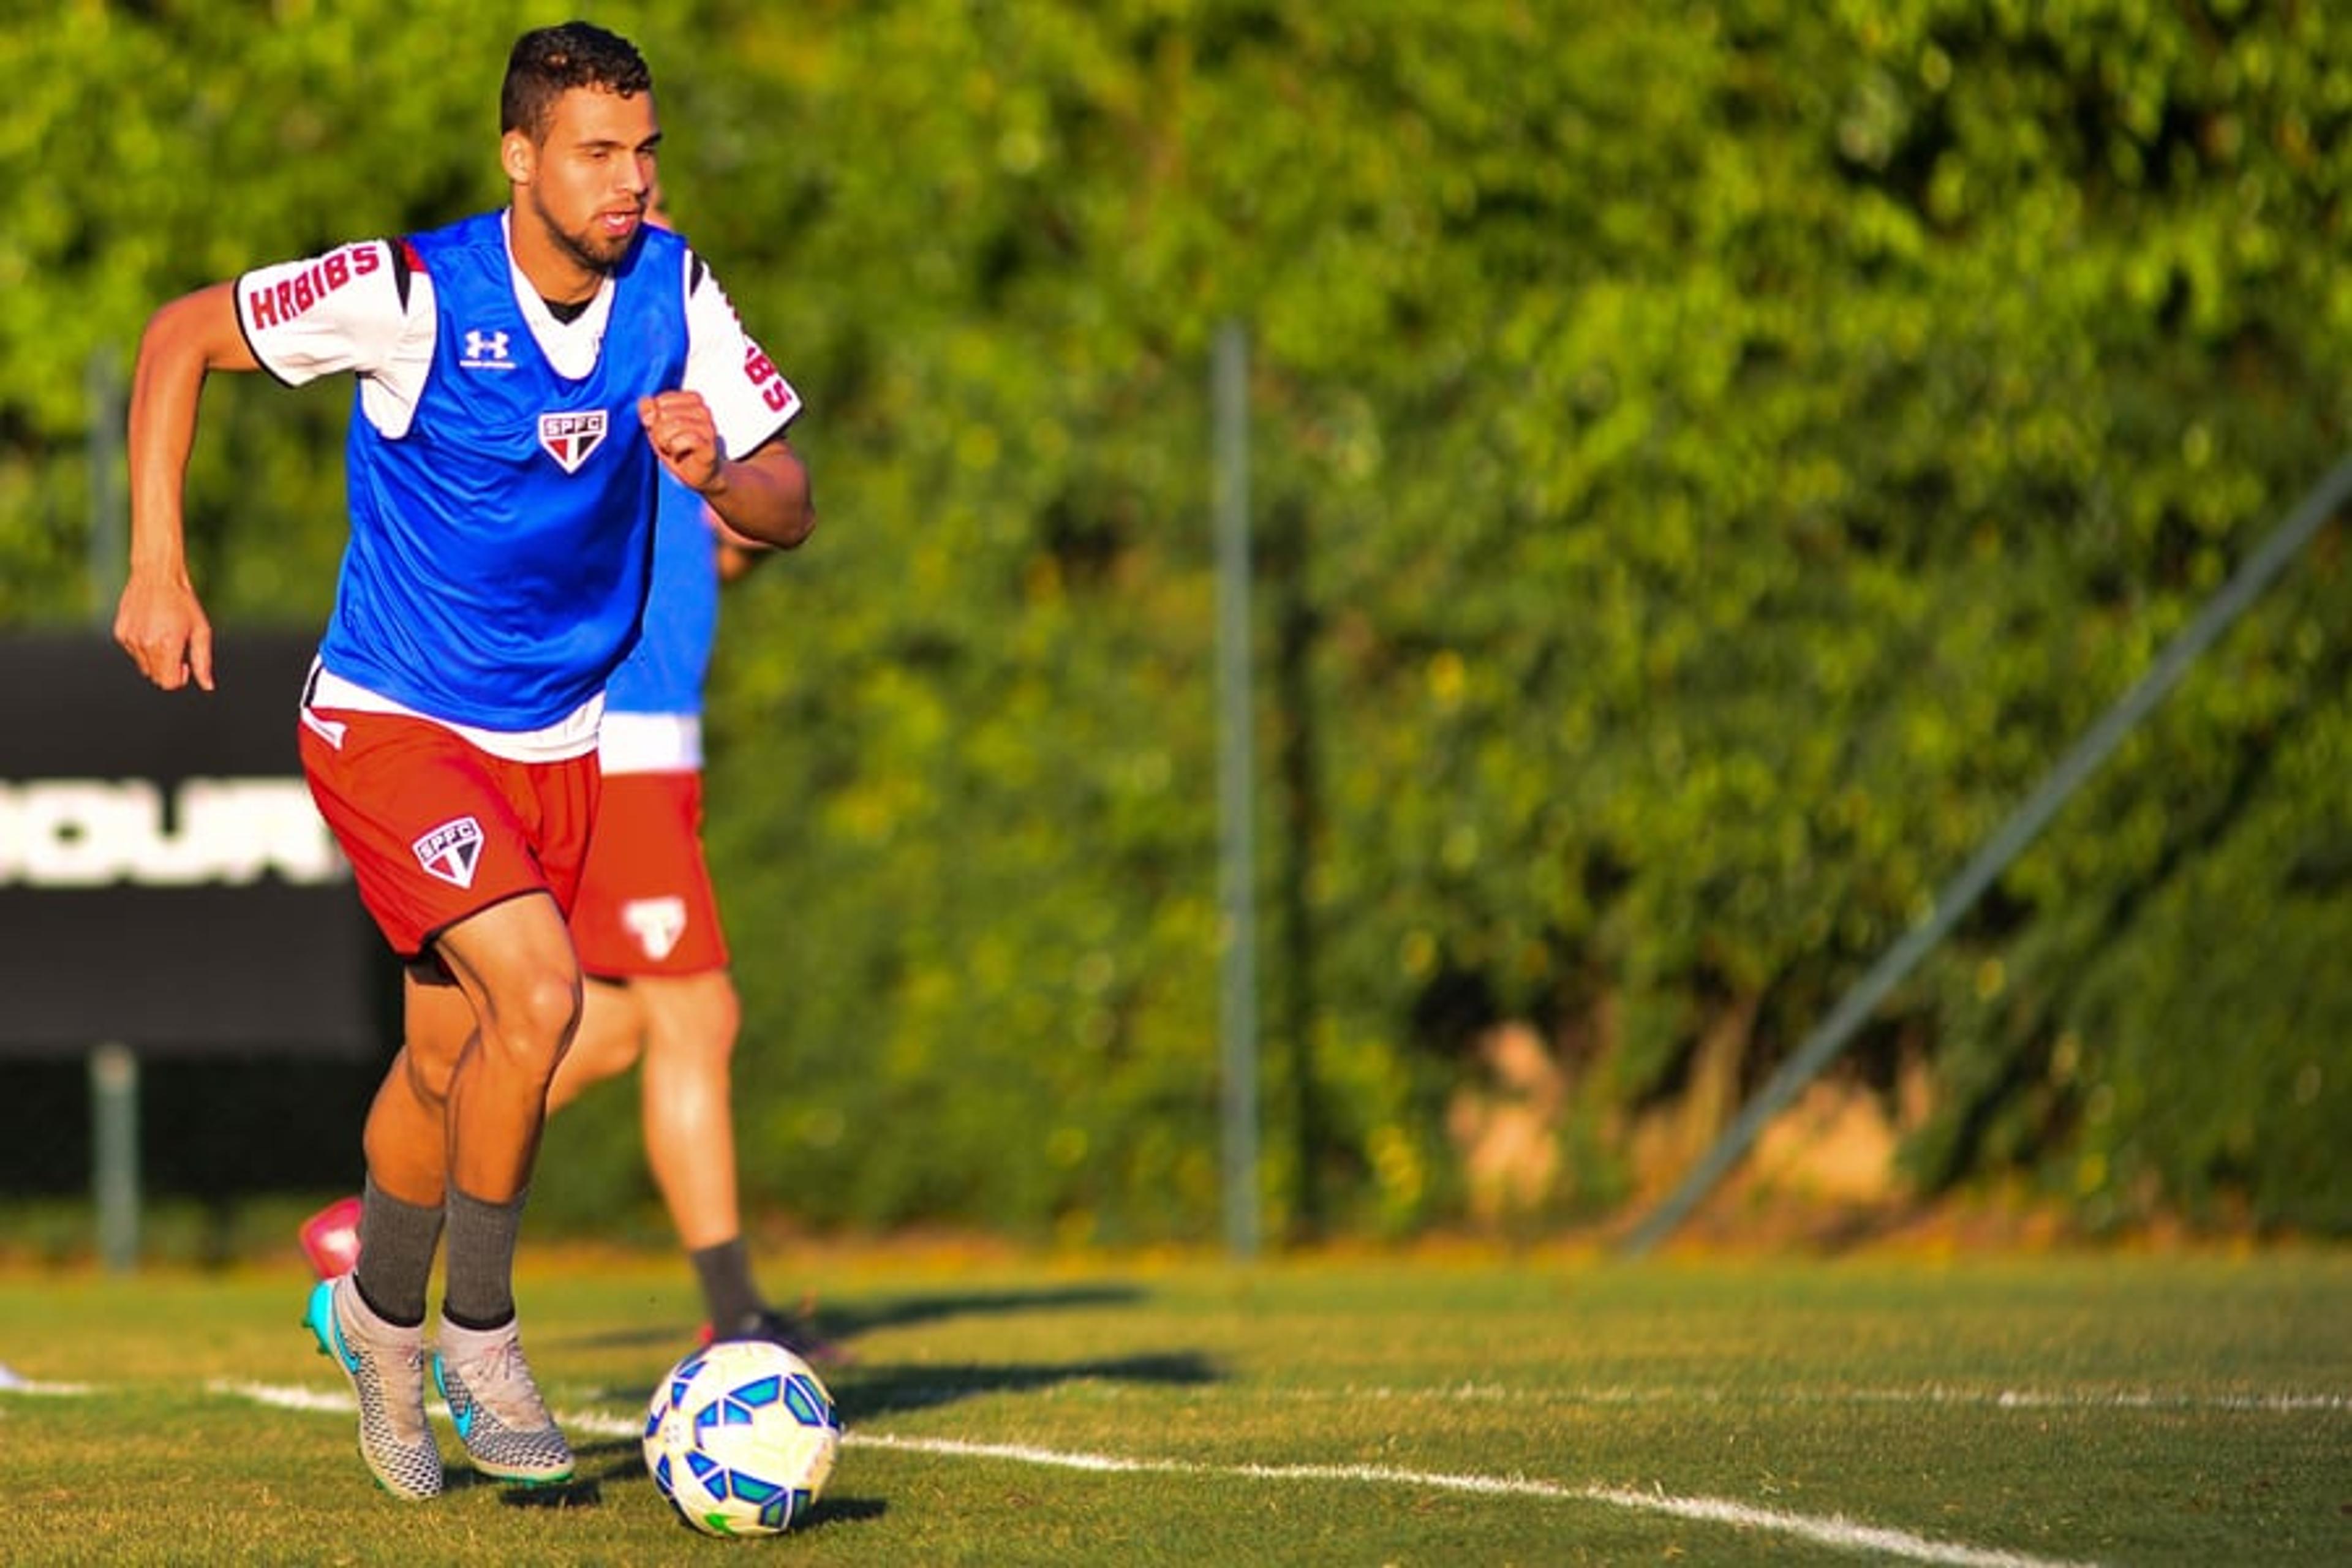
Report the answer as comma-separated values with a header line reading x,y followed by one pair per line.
x,y
386,1368
496,1405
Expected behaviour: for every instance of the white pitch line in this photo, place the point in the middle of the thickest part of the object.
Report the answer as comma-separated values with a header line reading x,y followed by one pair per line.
x,y
2116,1399
1834,1531
323,1401
15,1385
2036,1399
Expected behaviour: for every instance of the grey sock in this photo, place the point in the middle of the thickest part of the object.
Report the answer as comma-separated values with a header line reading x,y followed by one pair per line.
x,y
397,1244
478,1290
725,1271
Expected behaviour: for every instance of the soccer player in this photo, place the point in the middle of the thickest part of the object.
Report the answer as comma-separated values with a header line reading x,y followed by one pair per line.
x,y
524,378
659,993
645,923
660,996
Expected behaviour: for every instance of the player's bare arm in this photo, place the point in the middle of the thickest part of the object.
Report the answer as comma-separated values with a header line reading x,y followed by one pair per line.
x,y
770,487
738,552
159,621
764,495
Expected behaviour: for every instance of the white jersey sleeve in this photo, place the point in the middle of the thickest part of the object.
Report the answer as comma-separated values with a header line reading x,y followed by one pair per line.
x,y
749,399
342,311
358,308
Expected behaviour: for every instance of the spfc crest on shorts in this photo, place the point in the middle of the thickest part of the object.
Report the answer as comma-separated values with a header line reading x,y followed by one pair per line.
x,y
451,851
656,924
569,438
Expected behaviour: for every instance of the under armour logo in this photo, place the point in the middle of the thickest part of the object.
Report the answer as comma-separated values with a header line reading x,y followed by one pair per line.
x,y
487,349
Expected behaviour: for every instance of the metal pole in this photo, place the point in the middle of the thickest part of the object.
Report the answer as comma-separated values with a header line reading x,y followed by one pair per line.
x,y
114,1142
2008,842
1237,997
109,545
113,1068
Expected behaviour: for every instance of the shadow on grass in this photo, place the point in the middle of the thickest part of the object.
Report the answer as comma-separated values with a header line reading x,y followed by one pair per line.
x,y
841,1510
581,1492
864,1390
827,1513
839,1322
867,1390
894,1314
865,1393
613,1461
620,1462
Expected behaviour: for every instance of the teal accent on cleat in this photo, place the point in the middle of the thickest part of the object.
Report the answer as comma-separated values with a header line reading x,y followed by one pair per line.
x,y
385,1365
496,1406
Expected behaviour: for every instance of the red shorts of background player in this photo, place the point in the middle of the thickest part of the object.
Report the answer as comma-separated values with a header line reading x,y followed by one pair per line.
x,y
437,828
646,904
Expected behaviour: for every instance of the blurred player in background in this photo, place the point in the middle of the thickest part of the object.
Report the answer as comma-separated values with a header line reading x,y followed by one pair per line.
x,y
645,923
525,378
660,996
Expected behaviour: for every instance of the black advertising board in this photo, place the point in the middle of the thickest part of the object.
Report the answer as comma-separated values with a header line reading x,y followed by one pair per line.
x,y
165,881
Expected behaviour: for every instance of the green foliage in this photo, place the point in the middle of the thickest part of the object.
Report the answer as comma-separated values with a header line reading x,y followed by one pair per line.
x,y
1710,459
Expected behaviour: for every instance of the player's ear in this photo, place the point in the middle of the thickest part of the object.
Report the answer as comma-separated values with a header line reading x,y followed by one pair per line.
x,y
519,157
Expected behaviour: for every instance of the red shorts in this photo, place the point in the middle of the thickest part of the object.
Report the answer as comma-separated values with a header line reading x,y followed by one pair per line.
x,y
438,829
646,905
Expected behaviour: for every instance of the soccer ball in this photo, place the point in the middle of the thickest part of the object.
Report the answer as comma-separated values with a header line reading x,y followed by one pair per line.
x,y
741,1437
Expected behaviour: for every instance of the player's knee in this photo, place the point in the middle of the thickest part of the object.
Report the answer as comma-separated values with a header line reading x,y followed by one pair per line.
x,y
427,1077
535,1017
727,1021
697,1022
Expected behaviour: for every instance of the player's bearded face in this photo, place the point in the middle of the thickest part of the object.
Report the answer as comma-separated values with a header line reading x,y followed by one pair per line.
x,y
591,244
595,170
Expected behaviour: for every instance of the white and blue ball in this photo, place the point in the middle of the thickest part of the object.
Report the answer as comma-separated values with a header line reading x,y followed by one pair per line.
x,y
741,1437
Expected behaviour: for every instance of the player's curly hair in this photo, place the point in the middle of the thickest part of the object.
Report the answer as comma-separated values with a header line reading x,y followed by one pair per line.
x,y
548,62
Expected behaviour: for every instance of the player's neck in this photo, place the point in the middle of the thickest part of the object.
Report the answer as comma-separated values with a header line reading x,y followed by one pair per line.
x,y
560,277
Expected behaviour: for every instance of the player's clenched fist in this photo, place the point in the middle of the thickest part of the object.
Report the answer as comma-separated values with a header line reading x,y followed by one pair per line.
x,y
683,434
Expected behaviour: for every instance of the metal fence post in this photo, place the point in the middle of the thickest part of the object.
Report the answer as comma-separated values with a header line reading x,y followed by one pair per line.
x,y
1237,880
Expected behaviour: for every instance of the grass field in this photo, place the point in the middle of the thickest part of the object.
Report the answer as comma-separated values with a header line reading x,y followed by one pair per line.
x,y
1442,1407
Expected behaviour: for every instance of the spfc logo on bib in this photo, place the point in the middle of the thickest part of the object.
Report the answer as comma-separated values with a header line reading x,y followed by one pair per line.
x,y
569,438
451,851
